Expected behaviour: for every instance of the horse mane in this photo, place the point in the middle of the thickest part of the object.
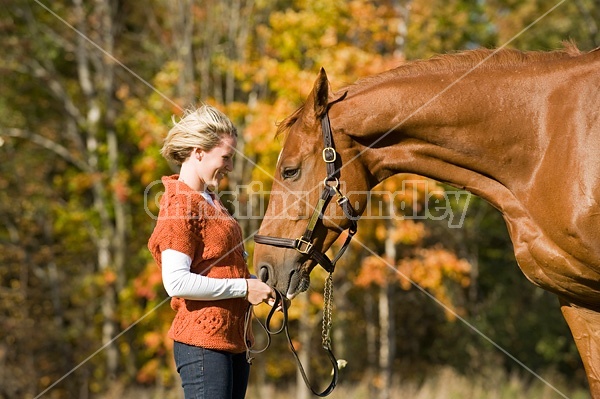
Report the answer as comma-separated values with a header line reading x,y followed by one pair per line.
x,y
479,58
455,62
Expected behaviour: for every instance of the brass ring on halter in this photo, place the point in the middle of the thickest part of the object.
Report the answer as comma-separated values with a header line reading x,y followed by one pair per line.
x,y
329,179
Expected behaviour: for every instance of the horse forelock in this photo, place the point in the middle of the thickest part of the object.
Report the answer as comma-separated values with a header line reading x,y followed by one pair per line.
x,y
284,126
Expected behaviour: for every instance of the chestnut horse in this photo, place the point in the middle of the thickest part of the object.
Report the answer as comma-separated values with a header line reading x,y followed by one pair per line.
x,y
519,129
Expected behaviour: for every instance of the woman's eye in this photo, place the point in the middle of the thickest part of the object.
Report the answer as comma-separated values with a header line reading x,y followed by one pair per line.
x,y
290,173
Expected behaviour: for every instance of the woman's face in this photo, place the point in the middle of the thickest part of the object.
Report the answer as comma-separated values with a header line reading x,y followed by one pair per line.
x,y
213,165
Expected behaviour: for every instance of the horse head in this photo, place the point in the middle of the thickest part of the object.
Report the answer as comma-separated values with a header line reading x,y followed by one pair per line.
x,y
319,189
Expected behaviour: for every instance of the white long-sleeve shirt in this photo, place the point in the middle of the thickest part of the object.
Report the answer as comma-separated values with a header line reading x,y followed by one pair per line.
x,y
179,281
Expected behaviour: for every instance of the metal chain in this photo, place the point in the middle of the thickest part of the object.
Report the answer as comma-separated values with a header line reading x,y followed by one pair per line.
x,y
327,311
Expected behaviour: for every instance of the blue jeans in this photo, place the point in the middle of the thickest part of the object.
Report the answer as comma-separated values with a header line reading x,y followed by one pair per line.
x,y
209,374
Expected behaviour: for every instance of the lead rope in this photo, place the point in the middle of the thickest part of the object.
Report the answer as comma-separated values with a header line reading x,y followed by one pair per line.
x,y
326,330
327,311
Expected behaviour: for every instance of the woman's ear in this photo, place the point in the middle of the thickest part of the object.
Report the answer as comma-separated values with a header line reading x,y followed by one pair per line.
x,y
197,153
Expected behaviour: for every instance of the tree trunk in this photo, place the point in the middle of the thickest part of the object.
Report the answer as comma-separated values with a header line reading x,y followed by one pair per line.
x,y
97,85
386,316
371,337
385,345
402,8
343,307
183,34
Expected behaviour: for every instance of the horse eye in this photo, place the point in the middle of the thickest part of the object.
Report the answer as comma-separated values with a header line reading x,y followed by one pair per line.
x,y
290,173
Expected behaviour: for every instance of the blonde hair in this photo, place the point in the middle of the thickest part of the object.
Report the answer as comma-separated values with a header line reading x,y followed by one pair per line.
x,y
198,128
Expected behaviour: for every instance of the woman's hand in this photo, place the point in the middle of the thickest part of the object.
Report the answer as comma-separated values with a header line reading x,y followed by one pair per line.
x,y
259,292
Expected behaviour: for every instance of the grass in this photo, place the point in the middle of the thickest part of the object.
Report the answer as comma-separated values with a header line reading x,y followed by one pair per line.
x,y
445,384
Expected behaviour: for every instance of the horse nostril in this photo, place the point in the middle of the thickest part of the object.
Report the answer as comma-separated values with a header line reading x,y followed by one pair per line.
x,y
263,274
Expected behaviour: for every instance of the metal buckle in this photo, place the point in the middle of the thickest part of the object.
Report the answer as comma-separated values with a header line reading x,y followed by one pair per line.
x,y
329,154
342,199
299,243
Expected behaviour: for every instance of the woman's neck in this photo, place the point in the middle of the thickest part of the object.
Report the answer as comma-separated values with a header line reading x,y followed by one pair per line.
x,y
189,177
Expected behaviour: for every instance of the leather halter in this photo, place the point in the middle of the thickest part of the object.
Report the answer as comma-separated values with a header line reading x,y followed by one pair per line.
x,y
304,244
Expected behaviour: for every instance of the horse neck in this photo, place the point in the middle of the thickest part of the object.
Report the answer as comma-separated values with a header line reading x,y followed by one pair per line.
x,y
477,133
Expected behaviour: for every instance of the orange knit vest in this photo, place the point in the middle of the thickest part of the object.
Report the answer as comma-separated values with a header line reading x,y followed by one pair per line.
x,y
213,239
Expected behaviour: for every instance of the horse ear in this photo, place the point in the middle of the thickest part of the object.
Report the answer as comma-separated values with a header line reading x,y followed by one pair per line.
x,y
323,96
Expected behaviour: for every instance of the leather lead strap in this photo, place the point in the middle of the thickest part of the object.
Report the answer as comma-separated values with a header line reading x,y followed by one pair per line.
x,y
280,302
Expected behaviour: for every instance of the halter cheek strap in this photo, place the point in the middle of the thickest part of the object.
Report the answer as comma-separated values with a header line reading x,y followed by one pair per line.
x,y
304,244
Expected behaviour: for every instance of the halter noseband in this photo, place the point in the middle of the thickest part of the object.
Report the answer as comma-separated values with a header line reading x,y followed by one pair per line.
x,y
304,244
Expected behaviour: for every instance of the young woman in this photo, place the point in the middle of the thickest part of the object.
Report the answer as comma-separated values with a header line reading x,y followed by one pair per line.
x,y
199,247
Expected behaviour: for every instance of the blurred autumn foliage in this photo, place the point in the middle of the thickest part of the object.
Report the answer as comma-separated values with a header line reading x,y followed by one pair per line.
x,y
88,92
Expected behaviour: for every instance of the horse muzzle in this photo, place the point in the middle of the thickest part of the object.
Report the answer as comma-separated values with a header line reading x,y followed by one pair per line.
x,y
292,283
